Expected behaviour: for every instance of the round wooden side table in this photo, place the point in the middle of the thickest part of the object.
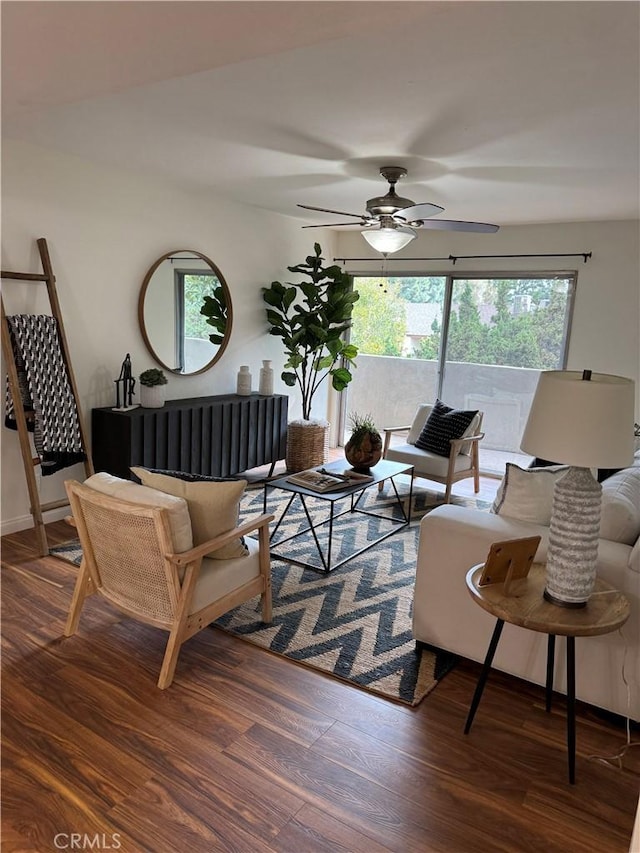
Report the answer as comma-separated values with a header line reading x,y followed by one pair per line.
x,y
606,611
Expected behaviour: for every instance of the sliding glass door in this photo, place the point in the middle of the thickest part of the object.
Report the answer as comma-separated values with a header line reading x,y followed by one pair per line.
x,y
501,333
397,325
474,341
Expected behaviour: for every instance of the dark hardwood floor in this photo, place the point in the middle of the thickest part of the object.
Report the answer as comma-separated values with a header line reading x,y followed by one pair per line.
x,y
247,751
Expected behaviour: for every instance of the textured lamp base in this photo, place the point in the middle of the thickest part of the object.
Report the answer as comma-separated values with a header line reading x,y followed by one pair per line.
x,y
573,539
560,603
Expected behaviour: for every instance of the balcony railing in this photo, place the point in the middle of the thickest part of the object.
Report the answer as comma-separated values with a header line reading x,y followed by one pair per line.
x,y
392,388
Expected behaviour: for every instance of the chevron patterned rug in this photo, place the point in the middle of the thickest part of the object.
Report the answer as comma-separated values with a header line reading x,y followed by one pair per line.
x,y
354,623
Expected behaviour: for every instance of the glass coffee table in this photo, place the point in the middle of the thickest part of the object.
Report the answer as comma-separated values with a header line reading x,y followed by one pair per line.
x,y
352,493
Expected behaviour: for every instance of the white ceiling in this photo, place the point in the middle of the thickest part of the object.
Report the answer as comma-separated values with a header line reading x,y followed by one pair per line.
x,y
505,112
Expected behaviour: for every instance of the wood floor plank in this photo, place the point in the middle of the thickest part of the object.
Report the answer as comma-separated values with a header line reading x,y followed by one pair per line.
x,y
613,796
315,830
165,817
138,730
409,775
440,791
14,841
79,757
37,804
178,752
369,808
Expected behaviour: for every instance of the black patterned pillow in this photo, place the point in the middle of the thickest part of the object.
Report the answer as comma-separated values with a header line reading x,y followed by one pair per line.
x,y
443,424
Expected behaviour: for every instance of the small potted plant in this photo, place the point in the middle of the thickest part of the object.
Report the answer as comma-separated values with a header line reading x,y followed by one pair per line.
x,y
152,388
364,448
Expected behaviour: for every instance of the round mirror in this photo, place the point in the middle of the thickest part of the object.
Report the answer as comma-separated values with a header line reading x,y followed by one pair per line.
x,y
184,312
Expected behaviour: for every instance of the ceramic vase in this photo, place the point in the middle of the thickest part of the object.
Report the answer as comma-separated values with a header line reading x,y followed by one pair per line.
x,y
243,383
266,379
153,396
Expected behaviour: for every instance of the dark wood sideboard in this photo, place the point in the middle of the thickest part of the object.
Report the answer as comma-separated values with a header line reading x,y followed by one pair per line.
x,y
218,436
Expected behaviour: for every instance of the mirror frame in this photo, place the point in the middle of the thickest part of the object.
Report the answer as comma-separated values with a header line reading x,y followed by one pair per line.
x,y
227,295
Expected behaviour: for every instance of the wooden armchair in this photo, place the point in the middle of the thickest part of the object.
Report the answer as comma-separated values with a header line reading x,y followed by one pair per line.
x,y
129,558
462,462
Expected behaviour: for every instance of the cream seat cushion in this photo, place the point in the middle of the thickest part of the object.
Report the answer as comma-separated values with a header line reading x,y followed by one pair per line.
x,y
213,507
126,490
424,460
217,578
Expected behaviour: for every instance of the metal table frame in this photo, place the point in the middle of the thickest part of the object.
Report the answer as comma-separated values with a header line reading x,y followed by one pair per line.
x,y
384,470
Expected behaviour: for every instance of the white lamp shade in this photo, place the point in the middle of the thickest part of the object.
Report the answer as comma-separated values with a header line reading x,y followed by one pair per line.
x,y
587,423
389,240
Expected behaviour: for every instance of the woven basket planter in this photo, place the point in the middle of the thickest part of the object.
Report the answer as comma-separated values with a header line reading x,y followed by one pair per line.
x,y
307,444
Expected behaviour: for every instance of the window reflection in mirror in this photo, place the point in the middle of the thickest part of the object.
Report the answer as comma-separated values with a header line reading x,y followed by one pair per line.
x,y
185,312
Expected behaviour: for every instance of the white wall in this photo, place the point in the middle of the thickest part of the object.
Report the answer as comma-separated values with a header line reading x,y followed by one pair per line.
x,y
104,230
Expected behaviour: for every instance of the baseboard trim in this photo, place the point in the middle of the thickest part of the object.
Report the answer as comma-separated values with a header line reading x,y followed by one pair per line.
x,y
24,522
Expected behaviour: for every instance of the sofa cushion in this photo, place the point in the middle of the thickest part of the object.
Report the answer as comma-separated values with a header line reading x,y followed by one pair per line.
x,y
443,424
526,494
213,507
217,578
125,490
620,515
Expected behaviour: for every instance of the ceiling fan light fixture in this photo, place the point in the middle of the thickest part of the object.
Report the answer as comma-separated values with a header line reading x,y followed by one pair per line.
x,y
388,240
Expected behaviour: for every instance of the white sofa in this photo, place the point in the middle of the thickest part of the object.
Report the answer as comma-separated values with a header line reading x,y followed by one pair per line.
x,y
452,539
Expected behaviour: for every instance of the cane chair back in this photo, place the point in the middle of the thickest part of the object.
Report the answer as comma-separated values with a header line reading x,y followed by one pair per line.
x,y
124,546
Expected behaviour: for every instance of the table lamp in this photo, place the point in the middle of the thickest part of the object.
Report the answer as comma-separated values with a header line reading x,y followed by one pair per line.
x,y
584,420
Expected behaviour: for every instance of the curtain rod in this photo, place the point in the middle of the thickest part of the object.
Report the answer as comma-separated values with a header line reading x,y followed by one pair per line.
x,y
453,258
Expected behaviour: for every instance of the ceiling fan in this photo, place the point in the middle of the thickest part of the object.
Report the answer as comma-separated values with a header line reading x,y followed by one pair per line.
x,y
390,220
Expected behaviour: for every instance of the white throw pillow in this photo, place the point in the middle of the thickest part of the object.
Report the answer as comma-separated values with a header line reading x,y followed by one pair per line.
x,y
620,516
419,420
526,494
125,490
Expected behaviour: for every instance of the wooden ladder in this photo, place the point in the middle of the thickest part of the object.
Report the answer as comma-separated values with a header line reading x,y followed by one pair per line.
x,y
30,462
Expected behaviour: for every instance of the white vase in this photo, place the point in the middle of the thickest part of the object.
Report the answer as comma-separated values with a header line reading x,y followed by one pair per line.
x,y
152,396
266,379
243,383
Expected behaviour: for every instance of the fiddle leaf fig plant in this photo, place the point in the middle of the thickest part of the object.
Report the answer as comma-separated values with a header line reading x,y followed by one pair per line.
x,y
311,317
216,311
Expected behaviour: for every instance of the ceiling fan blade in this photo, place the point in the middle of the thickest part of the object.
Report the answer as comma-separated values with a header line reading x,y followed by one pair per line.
x,y
335,224
417,211
326,210
456,225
